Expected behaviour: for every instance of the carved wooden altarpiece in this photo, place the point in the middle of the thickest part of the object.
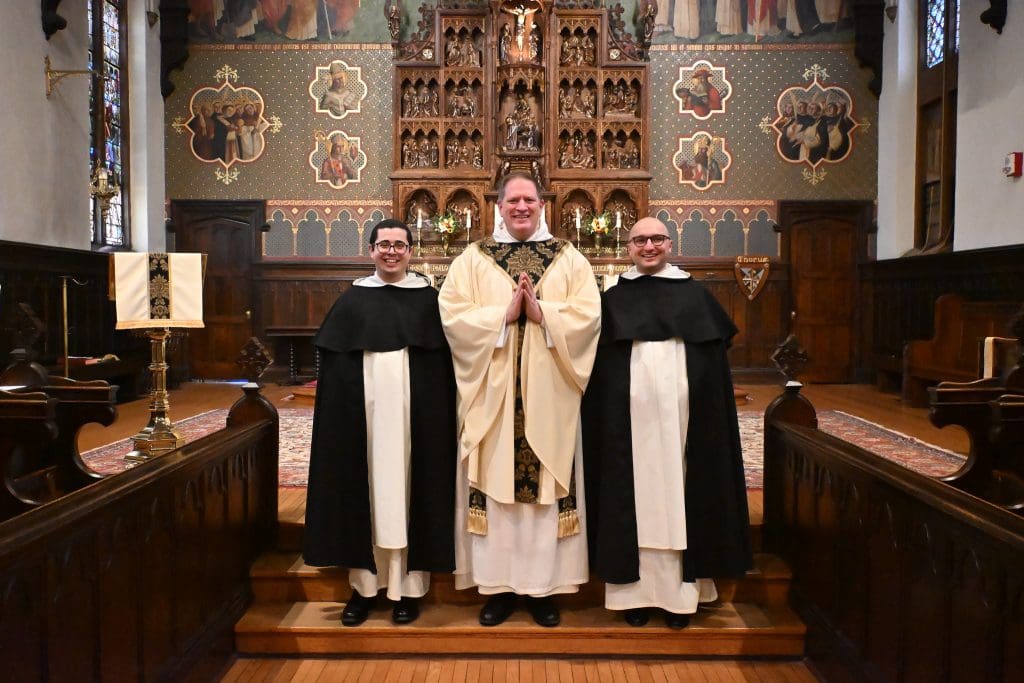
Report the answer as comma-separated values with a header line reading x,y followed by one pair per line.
x,y
554,88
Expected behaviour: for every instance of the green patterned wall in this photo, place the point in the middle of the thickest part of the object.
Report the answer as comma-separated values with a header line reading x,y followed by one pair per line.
x,y
311,218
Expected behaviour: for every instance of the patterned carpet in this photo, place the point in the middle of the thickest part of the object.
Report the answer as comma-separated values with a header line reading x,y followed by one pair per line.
x,y
296,428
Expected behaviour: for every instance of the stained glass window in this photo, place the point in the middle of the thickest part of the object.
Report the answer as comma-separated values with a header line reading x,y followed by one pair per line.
x,y
935,32
105,56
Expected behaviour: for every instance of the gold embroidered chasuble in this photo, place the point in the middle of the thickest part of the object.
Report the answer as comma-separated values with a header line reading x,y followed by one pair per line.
x,y
519,402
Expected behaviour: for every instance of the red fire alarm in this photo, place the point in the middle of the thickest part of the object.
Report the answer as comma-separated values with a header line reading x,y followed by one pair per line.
x,y
1012,164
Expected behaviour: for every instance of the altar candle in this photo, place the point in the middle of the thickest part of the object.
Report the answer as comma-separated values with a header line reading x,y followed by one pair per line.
x,y
419,219
618,220
469,220
577,218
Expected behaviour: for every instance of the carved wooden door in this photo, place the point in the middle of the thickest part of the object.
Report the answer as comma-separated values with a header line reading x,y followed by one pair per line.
x,y
227,233
826,241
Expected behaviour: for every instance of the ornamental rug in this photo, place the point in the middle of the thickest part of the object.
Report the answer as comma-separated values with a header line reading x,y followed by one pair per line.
x,y
296,426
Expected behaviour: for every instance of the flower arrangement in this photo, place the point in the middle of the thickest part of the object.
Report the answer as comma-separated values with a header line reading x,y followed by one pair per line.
x,y
446,224
599,224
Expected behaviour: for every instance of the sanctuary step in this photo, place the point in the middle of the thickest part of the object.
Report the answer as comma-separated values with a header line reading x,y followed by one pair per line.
x,y
724,630
297,610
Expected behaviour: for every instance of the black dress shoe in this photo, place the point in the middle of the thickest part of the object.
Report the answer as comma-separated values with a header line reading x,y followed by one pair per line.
x,y
406,611
637,616
498,608
543,611
357,609
676,621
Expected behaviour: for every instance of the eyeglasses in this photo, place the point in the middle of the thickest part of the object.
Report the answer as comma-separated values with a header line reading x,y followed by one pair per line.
x,y
640,240
386,245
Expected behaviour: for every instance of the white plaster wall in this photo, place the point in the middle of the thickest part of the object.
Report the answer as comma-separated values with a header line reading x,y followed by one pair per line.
x,y
146,153
897,135
44,149
990,99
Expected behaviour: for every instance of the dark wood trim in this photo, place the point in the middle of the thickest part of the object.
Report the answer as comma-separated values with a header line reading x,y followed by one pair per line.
x,y
173,41
143,574
899,297
897,575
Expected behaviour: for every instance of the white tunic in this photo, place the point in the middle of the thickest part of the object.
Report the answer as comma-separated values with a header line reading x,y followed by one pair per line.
x,y
660,412
388,448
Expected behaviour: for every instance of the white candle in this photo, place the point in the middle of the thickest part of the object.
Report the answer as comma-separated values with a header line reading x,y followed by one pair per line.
x,y
419,219
577,218
618,219
469,220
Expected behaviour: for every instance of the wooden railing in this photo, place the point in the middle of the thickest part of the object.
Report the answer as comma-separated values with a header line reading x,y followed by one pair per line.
x,y
899,576
142,575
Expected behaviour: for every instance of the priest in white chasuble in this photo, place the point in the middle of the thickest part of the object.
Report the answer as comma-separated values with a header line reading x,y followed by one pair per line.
x,y
521,311
381,493
666,496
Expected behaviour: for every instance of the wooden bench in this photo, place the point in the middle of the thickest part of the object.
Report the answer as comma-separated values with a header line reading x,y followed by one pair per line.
x,y
39,440
953,354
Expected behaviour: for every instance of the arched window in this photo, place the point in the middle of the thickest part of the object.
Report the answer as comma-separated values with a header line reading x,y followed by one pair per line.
x,y
939,42
107,56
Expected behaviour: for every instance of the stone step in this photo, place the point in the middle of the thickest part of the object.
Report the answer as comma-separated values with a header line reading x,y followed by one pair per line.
x,y
283,577
724,629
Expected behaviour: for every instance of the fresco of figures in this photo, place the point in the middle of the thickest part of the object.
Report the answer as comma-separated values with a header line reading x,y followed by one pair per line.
x,y
227,124
747,21
337,159
702,160
702,90
338,89
228,21
814,124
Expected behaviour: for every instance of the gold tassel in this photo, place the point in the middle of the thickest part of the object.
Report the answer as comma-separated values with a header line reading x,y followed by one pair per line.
x,y
568,523
476,522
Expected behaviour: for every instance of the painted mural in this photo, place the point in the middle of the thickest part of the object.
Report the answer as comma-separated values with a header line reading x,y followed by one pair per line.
x,y
338,89
227,124
813,124
337,159
321,147
702,160
702,90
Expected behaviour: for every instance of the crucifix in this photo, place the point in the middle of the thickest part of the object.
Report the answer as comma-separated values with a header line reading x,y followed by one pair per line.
x,y
521,10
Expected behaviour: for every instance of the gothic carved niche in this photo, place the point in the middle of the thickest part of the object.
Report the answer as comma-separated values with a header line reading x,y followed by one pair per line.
x,y
461,49
578,47
577,99
420,99
620,151
520,38
576,150
464,150
621,99
462,100
575,209
520,117
419,150
420,208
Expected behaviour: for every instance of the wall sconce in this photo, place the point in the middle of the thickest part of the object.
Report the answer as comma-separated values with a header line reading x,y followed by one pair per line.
x,y
891,9
55,76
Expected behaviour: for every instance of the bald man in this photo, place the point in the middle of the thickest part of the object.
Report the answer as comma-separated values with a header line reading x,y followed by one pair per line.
x,y
665,493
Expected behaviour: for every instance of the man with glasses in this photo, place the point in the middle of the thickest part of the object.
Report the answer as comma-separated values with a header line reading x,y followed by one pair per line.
x,y
521,310
666,498
381,495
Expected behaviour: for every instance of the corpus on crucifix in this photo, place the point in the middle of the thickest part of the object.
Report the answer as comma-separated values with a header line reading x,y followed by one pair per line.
x,y
521,9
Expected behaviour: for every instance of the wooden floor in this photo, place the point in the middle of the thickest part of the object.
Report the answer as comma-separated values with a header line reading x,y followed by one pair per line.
x,y
412,670
856,399
194,398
